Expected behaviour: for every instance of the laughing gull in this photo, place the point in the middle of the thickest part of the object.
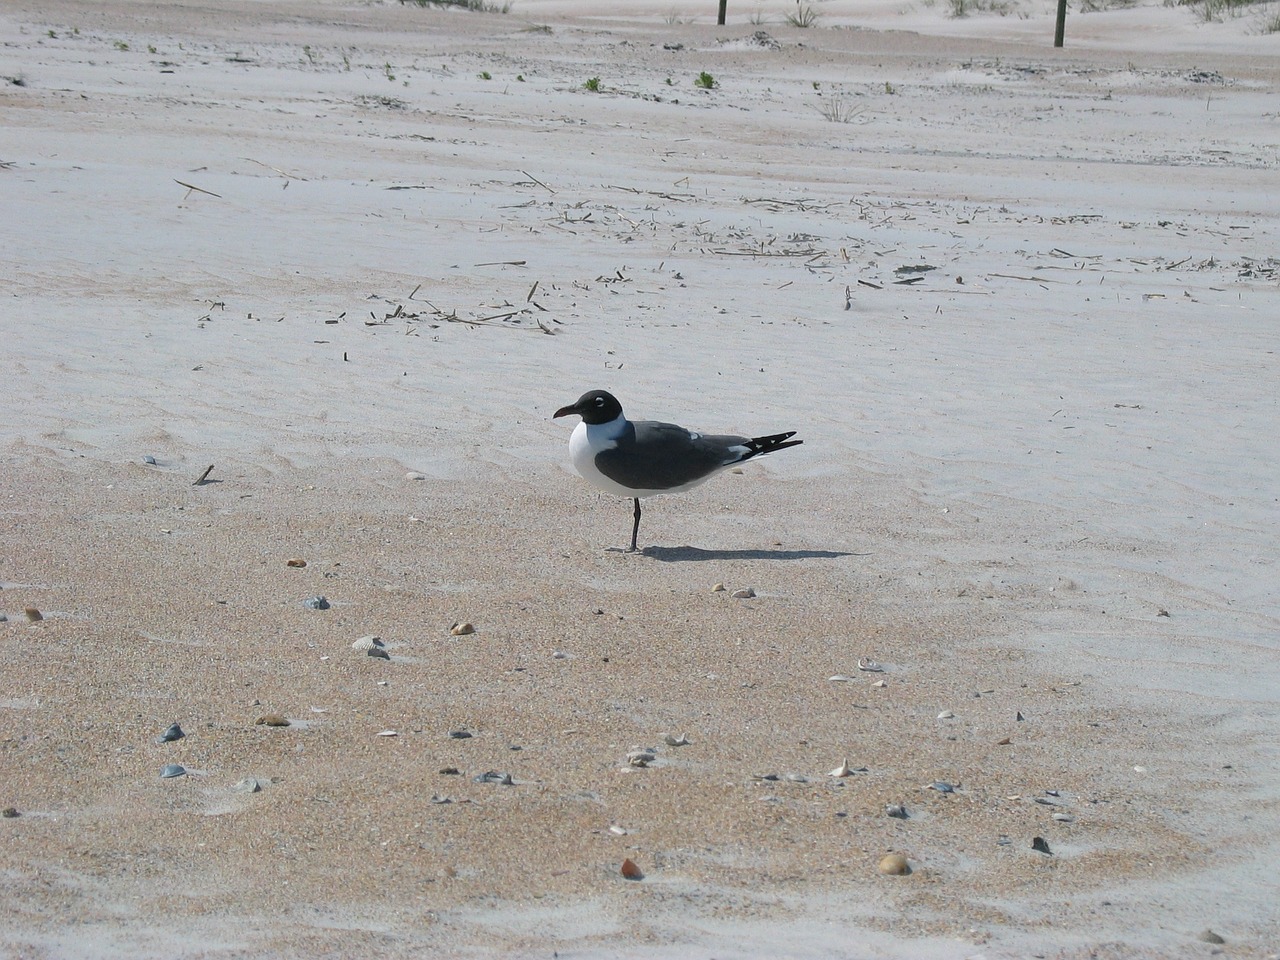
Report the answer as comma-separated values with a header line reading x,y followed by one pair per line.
x,y
644,458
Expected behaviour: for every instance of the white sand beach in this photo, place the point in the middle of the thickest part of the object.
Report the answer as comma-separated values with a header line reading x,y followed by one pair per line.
x,y
1019,302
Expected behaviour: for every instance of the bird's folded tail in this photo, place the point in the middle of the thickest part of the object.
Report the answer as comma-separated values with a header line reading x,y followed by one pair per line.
x,y
778,441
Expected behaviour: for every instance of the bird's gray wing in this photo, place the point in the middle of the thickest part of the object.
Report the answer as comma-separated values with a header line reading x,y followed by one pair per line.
x,y
660,456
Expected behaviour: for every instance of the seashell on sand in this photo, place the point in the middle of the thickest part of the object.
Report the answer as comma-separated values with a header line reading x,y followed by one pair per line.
x,y
946,715
842,770
896,810
32,614
173,733
718,588
9,813
746,593
640,758
372,646
248,785
894,865
869,666
316,603
172,770
295,562
461,629
272,720
630,871
676,741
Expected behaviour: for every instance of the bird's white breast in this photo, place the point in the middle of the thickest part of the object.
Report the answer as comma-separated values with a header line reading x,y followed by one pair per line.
x,y
589,439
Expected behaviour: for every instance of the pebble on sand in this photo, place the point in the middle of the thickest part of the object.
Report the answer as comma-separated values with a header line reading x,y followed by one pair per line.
x,y
630,870
272,720
172,770
461,629
894,865
1208,936
316,603
174,732
295,562
9,813
33,614
746,593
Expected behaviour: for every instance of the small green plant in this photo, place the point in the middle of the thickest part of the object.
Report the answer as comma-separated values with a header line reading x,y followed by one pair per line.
x,y
53,34
888,88
389,71
485,75
805,16
593,84
121,45
706,81
309,54
519,78
151,48
670,82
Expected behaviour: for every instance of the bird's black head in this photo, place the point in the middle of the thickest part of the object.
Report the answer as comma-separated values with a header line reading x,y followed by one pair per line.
x,y
595,406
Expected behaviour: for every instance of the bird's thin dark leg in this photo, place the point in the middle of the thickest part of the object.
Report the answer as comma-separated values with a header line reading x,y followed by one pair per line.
x,y
635,529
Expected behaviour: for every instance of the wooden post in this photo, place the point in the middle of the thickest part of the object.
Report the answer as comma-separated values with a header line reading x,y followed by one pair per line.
x,y
1059,29
723,4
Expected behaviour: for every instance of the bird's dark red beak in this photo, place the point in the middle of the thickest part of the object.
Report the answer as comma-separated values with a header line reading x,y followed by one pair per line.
x,y
565,411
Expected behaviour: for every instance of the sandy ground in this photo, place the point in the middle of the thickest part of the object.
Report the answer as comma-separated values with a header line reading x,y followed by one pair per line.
x,y
1019,302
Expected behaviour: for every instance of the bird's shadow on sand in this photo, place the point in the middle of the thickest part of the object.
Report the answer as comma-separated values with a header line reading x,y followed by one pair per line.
x,y
686,554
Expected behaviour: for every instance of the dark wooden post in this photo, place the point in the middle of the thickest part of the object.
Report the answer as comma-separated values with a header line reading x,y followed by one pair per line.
x,y
723,4
1059,29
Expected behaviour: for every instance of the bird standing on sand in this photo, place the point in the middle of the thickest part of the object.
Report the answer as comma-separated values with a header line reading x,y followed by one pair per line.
x,y
644,458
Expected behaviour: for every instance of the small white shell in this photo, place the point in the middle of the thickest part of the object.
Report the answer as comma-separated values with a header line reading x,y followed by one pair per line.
x,y
869,666
946,715
746,593
676,741
365,644
842,770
